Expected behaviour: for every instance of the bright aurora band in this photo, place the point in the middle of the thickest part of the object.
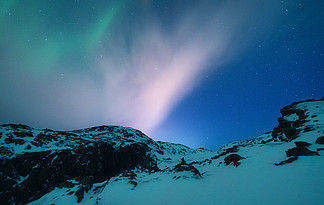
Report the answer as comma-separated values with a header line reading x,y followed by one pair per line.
x,y
200,73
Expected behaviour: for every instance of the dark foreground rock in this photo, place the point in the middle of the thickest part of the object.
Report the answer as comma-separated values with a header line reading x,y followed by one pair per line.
x,y
183,166
29,175
320,140
289,160
233,158
288,130
300,150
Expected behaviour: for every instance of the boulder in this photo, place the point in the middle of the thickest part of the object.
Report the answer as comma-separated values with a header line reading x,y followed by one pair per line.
x,y
302,144
183,166
320,140
233,158
300,151
289,160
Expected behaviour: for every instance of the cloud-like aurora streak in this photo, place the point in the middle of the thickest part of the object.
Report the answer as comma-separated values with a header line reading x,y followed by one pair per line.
x,y
147,74
133,77
101,27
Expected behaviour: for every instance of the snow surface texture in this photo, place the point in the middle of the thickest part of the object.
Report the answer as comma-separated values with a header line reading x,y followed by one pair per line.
x,y
255,171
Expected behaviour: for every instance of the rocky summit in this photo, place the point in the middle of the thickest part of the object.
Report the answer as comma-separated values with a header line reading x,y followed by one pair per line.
x,y
121,165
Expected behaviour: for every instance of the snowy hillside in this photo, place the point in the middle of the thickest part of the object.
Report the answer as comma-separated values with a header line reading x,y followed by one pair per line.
x,y
117,165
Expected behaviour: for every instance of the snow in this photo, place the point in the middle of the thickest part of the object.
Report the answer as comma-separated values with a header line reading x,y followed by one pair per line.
x,y
255,181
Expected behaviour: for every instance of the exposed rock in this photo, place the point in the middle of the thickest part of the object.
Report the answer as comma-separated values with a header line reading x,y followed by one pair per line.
x,y
289,130
33,163
87,182
134,183
80,194
309,128
183,166
66,184
266,141
235,148
300,151
302,144
289,160
129,174
28,146
235,158
89,163
17,141
5,151
320,140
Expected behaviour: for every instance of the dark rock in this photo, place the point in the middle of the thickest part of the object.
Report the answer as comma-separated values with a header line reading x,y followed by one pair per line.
x,y
320,149
16,126
66,184
87,182
28,146
130,175
264,142
5,151
235,148
88,163
320,140
314,116
80,194
13,140
133,182
289,130
23,134
235,158
309,128
300,151
302,144
183,166
291,133
289,160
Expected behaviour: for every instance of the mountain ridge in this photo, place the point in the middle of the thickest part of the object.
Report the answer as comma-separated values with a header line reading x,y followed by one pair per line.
x,y
81,166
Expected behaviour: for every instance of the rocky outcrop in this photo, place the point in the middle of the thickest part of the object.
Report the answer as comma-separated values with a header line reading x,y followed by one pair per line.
x,y
300,150
183,166
29,175
233,158
289,160
34,162
320,140
293,122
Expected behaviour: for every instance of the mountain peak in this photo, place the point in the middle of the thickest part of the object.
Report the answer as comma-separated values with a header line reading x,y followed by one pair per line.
x,y
119,165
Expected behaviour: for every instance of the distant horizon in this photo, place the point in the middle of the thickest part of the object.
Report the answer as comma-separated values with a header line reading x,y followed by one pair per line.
x,y
107,125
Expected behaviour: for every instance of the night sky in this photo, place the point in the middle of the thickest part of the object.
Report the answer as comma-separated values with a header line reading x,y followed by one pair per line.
x,y
199,73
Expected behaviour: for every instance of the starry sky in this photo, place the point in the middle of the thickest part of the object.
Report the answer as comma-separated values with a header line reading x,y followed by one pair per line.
x,y
199,73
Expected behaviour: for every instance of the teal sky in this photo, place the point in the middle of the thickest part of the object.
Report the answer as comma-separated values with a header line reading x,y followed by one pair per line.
x,y
200,73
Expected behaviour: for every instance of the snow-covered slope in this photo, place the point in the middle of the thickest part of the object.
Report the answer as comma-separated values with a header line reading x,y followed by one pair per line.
x,y
116,165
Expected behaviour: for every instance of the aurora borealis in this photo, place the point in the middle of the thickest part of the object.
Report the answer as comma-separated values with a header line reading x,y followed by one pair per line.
x,y
196,72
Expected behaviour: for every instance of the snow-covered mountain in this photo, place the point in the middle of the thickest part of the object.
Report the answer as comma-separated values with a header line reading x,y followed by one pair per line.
x,y
119,165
